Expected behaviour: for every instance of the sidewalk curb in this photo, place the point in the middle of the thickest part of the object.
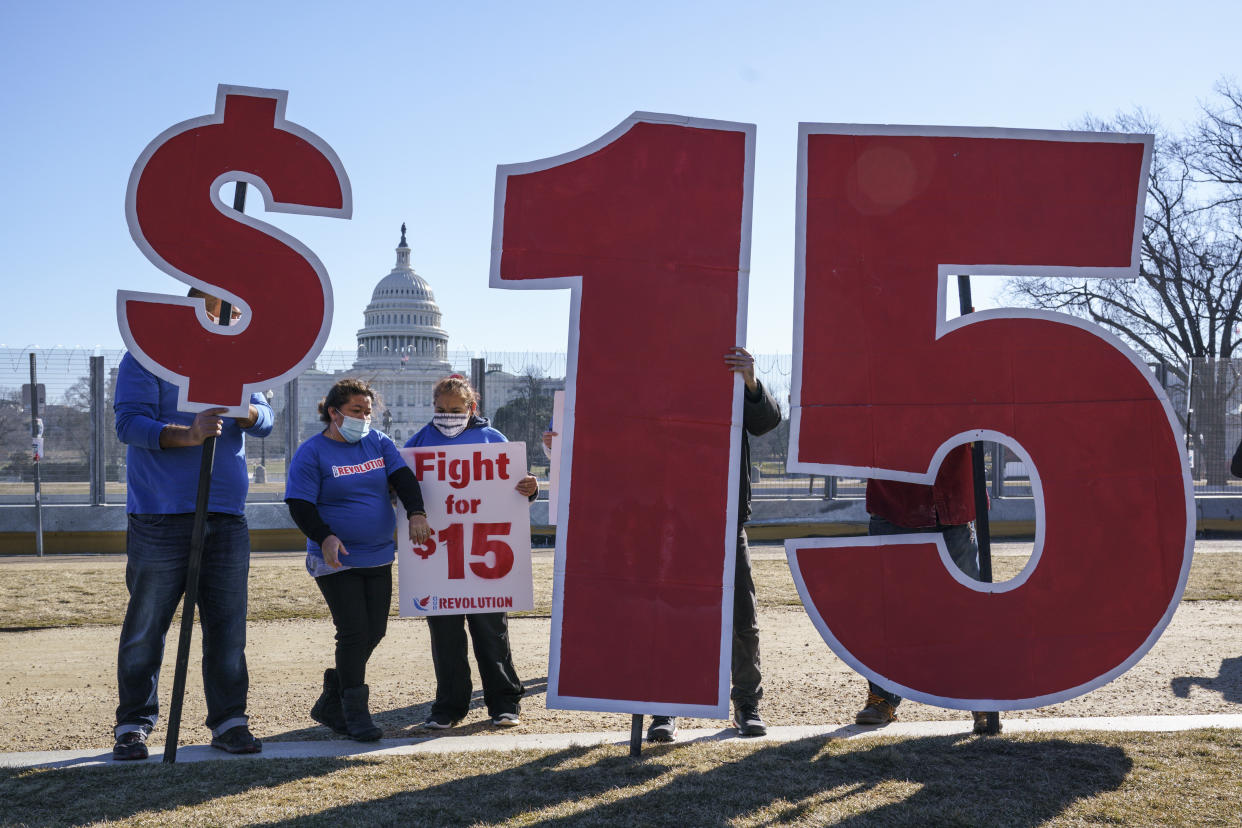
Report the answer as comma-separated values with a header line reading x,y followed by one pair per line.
x,y
560,741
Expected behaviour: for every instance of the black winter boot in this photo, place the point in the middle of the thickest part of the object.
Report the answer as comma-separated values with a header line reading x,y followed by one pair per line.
x,y
357,717
327,710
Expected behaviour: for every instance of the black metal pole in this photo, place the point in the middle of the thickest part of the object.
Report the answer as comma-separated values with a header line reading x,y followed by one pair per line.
x,y
636,734
983,531
35,433
195,564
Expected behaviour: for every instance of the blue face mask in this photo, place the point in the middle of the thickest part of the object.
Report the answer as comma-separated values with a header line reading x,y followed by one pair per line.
x,y
353,429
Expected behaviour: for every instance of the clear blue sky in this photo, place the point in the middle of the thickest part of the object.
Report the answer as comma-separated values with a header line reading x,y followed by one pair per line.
x,y
423,100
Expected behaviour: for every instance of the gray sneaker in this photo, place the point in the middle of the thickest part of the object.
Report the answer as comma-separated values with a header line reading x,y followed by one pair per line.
x,y
663,729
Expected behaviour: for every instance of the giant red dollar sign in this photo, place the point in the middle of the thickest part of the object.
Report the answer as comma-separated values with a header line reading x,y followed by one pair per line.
x,y
178,220
885,387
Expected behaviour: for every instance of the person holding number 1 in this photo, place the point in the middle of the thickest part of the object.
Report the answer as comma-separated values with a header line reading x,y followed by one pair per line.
x,y
456,421
760,414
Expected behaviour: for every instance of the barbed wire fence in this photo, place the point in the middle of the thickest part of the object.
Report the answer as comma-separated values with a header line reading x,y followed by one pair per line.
x,y
85,463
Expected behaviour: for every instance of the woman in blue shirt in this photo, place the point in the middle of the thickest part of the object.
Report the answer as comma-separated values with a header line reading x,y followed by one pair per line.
x,y
337,492
455,422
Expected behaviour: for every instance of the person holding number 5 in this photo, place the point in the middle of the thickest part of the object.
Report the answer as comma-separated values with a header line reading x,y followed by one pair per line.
x,y
456,421
337,493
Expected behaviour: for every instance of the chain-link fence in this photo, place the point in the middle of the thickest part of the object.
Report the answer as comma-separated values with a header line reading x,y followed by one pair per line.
x,y
1207,399
84,462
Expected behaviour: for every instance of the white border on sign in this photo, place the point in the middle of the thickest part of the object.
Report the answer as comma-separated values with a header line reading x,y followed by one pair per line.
x,y
943,327
123,297
574,284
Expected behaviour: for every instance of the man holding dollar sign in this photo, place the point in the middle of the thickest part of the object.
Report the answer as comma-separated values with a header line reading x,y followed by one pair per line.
x,y
162,469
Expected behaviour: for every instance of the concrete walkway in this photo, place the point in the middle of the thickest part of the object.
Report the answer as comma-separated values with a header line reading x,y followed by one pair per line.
x,y
559,741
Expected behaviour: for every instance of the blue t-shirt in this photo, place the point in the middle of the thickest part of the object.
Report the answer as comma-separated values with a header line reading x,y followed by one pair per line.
x,y
348,483
164,481
478,430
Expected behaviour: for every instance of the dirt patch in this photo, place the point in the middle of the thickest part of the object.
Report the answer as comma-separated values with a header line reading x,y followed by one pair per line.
x,y
58,686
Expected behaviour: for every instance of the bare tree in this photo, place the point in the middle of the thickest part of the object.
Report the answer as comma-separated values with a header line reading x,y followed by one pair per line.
x,y
1184,311
527,414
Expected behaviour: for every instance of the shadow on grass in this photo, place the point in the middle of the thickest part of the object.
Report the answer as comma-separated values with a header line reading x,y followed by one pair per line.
x,y
1228,683
72,796
949,780
930,781
403,722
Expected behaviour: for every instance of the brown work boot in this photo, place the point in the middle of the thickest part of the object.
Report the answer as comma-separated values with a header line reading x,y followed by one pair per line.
x,y
981,723
878,711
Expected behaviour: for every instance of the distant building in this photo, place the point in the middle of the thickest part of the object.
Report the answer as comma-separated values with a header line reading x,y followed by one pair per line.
x,y
402,351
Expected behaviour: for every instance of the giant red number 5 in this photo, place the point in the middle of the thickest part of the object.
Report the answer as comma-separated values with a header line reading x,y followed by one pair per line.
x,y
649,227
884,387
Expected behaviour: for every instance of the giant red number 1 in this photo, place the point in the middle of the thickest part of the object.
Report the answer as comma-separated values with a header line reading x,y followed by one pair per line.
x,y
884,387
649,227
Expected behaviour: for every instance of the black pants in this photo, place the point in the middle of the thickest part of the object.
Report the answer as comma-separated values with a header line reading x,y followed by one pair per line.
x,y
489,632
359,600
747,683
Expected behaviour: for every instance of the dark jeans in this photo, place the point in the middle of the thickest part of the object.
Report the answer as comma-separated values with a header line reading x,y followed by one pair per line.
x,y
747,683
489,632
959,539
158,551
359,600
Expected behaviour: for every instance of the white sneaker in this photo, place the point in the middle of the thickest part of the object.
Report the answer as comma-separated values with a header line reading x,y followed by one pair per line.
x,y
506,720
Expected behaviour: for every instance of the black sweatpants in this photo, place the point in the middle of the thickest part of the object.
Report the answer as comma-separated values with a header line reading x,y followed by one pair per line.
x,y
489,632
747,683
359,600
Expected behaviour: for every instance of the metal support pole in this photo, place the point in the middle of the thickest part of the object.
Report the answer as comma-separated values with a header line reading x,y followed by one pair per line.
x,y
998,470
983,532
292,422
36,431
99,422
195,564
636,734
478,378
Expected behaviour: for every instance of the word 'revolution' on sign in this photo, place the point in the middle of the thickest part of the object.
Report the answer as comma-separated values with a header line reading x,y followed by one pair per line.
x,y
884,387
649,228
478,556
178,219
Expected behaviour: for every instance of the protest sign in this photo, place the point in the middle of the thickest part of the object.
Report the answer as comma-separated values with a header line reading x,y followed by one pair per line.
x,y
478,557
885,386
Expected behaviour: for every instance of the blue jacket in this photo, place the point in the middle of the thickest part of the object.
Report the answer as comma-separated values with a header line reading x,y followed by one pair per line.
x,y
165,481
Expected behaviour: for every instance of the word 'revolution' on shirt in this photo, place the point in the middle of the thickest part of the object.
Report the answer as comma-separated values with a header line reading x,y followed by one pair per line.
x,y
358,468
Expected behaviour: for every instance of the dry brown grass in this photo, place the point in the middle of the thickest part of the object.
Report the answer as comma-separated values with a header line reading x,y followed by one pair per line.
x,y
71,592
1069,779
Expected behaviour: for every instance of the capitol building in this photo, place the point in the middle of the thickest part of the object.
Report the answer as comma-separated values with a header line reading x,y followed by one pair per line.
x,y
402,352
